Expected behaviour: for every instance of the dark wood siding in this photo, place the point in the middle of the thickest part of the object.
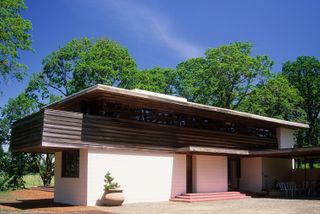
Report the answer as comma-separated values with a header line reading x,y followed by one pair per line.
x,y
54,128
27,133
110,130
62,127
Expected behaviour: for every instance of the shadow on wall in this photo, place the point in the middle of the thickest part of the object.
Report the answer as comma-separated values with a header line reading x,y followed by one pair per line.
x,y
178,183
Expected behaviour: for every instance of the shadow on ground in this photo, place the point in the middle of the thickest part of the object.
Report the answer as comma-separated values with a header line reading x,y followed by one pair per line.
x,y
33,204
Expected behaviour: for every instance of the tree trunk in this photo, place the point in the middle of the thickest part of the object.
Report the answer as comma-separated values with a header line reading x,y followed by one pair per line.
x,y
46,168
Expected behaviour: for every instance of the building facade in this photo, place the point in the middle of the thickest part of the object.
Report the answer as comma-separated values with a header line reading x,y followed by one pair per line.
x,y
156,146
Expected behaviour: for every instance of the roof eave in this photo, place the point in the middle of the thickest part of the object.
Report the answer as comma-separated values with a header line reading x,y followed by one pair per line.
x,y
288,124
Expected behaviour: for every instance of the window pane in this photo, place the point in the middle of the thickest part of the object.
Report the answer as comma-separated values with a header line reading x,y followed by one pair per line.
x,y
70,164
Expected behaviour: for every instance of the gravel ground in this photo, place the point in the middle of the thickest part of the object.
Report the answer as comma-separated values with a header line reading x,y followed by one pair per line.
x,y
247,206
35,201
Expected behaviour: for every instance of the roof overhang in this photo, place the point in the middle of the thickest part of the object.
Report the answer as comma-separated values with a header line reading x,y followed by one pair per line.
x,y
277,153
288,153
212,151
102,91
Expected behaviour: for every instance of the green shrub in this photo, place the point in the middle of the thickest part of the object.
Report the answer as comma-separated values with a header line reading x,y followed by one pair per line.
x,y
109,183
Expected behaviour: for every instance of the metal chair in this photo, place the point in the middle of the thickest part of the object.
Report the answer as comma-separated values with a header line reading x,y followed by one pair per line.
x,y
283,188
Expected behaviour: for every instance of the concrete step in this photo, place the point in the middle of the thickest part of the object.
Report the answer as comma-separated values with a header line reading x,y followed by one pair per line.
x,y
198,197
216,194
208,196
209,199
212,193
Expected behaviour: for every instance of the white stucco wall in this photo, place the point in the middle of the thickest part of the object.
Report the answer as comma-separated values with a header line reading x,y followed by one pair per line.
x,y
210,173
179,178
71,190
275,169
144,176
286,138
260,173
251,174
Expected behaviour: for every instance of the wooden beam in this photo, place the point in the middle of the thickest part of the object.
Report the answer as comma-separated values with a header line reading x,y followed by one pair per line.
x,y
212,150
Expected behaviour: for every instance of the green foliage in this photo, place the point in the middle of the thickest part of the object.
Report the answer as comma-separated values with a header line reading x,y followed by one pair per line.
x,y
109,182
80,64
14,37
275,98
4,180
15,165
34,179
223,77
46,168
30,180
304,74
14,110
161,80
15,171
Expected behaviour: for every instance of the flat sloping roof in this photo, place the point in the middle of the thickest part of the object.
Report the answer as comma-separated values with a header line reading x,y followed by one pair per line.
x,y
172,100
288,153
280,153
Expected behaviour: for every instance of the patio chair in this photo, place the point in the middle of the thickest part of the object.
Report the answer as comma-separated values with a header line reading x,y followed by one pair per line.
x,y
283,188
292,188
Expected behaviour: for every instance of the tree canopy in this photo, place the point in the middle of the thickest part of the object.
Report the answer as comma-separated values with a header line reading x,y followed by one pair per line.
x,y
161,80
14,110
223,77
15,164
304,74
276,98
80,64
14,37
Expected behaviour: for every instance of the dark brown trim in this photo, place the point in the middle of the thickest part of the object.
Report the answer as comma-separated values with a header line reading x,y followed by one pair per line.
x,y
189,185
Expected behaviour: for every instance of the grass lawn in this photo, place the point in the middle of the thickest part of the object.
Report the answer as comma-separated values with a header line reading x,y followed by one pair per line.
x,y
307,165
34,180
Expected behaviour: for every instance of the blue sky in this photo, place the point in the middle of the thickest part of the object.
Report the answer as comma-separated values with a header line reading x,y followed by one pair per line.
x,y
164,33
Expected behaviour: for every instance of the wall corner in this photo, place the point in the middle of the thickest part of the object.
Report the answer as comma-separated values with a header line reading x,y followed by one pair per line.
x,y
285,137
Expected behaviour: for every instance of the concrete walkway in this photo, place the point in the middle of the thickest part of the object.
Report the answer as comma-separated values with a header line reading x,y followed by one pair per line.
x,y
245,206
34,201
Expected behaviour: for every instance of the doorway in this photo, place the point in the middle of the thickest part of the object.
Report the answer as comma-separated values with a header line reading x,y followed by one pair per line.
x,y
234,173
189,174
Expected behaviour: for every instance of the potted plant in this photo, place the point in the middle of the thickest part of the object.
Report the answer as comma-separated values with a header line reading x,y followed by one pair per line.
x,y
113,196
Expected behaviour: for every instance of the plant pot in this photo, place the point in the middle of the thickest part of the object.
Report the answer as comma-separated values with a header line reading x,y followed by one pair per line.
x,y
113,197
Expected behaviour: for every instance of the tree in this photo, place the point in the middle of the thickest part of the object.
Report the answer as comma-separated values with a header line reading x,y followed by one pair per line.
x,y
14,37
161,80
275,98
14,110
304,74
46,168
16,163
80,64
223,77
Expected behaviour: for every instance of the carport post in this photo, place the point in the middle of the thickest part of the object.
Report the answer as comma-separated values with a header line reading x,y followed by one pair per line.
x,y
305,170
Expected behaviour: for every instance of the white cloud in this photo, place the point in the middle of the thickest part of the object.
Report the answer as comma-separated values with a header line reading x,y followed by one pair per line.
x,y
150,25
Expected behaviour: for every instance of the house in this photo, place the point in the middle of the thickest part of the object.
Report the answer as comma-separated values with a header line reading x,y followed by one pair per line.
x,y
156,146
